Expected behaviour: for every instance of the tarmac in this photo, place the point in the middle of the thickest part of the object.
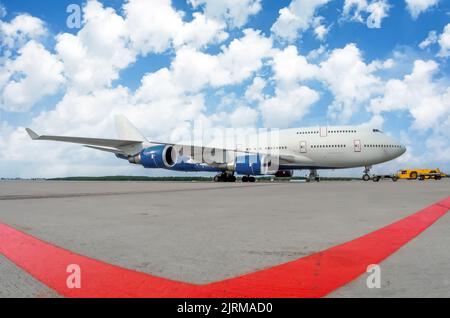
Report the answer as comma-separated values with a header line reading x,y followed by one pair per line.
x,y
199,232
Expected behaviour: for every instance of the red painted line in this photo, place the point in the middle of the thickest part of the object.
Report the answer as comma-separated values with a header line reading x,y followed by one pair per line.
x,y
312,276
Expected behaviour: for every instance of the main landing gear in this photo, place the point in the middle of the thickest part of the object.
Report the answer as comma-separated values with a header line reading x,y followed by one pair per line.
x,y
248,179
366,176
225,177
229,177
313,176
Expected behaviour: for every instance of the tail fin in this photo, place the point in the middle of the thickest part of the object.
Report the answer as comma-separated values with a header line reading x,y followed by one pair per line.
x,y
126,130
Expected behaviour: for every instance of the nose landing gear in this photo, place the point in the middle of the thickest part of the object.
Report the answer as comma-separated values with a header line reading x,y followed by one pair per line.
x,y
366,176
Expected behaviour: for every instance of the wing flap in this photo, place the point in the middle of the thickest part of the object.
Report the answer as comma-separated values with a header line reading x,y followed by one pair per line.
x,y
111,150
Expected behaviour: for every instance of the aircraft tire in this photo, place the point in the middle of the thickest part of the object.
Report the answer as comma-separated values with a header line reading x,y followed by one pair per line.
x,y
232,179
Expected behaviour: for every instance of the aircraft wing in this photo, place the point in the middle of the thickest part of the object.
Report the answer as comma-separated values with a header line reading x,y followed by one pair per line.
x,y
130,147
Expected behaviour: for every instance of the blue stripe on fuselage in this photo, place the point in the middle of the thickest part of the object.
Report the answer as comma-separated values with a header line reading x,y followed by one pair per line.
x,y
196,167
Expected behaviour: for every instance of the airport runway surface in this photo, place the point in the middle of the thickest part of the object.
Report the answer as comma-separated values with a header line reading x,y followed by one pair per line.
x,y
205,232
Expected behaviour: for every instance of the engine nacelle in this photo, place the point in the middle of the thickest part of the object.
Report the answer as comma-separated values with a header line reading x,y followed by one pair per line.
x,y
284,173
156,157
253,165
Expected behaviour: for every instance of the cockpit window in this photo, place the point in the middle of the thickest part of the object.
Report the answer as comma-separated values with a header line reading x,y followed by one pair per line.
x,y
377,131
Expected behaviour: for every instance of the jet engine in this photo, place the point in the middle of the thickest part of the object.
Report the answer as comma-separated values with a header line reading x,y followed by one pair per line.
x,y
156,157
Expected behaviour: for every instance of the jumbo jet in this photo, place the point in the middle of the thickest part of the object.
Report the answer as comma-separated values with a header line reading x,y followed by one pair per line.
x,y
314,148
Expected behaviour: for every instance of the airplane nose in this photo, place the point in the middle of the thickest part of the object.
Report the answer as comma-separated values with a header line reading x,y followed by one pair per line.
x,y
402,150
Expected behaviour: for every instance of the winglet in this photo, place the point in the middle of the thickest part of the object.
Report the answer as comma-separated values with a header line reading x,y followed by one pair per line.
x,y
32,134
126,130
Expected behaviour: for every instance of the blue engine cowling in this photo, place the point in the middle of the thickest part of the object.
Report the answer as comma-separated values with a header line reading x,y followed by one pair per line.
x,y
162,156
252,165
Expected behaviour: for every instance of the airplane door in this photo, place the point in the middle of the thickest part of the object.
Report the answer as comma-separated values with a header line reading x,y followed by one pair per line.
x,y
303,148
323,131
357,144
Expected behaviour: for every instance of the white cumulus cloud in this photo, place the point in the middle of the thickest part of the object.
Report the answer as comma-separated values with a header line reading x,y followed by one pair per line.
x,y
35,73
194,70
255,91
287,106
93,58
372,13
444,42
3,11
152,24
296,18
200,32
426,99
21,29
243,116
416,7
350,80
320,30
290,67
234,12
378,11
109,42
431,39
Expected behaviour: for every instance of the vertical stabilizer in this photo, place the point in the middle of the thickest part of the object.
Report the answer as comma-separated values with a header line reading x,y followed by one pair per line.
x,y
126,130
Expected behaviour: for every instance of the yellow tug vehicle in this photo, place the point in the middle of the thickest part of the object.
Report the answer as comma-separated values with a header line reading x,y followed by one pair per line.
x,y
421,174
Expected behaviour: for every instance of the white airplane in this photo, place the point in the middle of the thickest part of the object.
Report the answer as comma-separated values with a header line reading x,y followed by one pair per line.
x,y
314,148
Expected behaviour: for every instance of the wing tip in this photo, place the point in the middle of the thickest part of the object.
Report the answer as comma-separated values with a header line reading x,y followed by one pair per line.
x,y
126,130
33,135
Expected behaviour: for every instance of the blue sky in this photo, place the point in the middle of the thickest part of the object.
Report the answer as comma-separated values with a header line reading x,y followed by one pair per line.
x,y
199,69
